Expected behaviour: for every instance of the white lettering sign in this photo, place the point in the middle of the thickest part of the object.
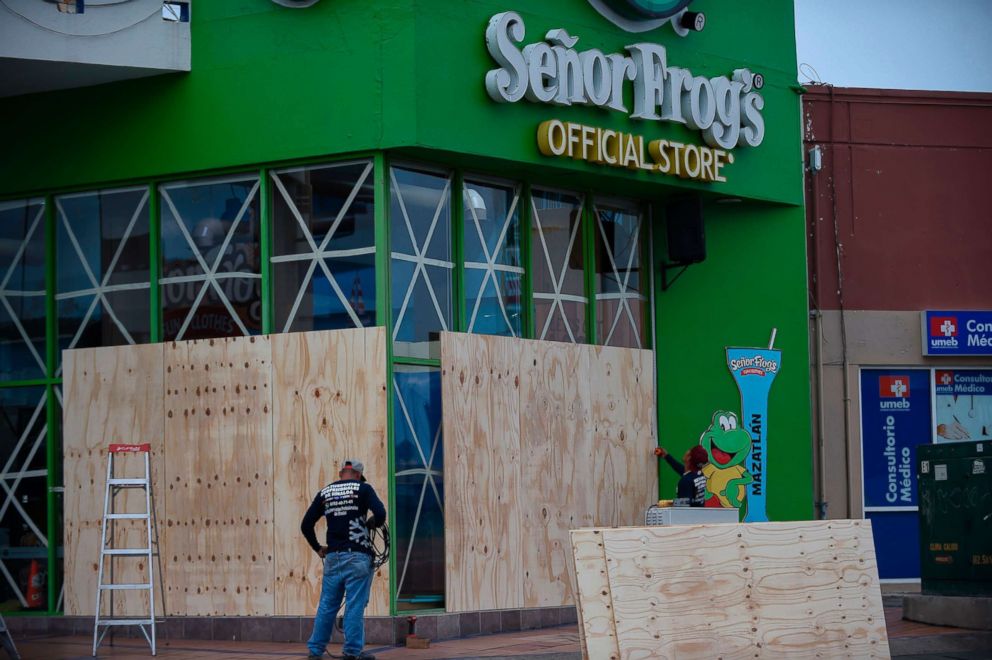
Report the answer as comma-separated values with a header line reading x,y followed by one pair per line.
x,y
726,110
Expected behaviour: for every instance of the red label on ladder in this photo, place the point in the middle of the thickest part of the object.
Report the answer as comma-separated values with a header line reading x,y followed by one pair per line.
x,y
116,449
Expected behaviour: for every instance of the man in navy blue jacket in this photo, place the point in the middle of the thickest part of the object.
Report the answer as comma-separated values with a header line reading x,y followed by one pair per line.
x,y
347,557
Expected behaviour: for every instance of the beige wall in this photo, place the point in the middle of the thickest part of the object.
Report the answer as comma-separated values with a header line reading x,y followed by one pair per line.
x,y
874,339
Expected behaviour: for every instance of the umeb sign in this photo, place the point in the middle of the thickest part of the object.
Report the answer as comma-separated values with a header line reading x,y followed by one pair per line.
x,y
957,332
895,418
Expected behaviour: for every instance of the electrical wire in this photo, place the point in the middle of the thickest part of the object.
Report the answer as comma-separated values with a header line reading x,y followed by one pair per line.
x,y
380,546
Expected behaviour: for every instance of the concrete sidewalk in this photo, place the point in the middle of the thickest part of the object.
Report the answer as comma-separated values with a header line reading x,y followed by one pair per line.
x,y
909,640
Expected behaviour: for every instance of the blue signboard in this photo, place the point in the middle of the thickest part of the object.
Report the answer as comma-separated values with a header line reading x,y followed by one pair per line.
x,y
964,405
895,418
897,543
754,370
957,332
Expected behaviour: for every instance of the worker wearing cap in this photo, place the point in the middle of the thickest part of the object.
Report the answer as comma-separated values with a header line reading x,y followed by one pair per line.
x,y
345,504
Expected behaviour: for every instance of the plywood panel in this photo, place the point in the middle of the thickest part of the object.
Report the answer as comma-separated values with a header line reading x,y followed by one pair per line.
x,y
218,547
585,431
796,590
622,418
595,605
556,465
481,398
329,404
110,395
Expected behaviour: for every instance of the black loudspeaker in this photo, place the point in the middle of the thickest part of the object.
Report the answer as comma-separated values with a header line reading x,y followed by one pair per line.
x,y
686,234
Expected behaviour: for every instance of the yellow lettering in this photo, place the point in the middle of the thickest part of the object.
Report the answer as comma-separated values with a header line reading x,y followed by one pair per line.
x,y
618,149
608,157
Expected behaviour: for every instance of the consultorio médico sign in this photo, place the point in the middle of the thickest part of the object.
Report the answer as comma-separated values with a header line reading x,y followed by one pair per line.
x,y
726,110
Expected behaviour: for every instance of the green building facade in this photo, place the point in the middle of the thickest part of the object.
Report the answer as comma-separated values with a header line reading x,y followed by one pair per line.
x,y
346,164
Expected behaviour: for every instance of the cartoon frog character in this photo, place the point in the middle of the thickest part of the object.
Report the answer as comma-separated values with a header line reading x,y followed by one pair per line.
x,y
728,446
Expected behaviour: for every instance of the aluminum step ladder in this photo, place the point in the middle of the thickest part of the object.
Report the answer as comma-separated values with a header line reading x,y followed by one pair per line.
x,y
115,485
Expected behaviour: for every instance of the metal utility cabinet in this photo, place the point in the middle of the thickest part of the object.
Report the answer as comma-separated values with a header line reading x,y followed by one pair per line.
x,y
955,481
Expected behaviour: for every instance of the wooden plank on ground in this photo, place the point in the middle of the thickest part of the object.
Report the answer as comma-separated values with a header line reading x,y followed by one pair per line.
x,y
329,404
219,541
597,628
481,399
556,465
111,394
796,590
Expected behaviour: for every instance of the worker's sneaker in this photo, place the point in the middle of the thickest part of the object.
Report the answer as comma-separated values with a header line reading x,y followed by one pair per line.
x,y
314,656
360,656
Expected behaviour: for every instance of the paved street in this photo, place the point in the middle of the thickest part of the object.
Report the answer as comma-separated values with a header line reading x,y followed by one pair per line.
x,y
913,641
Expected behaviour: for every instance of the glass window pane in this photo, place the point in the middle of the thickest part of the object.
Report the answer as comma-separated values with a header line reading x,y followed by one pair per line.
x,y
493,270
420,234
418,526
557,266
619,299
22,289
102,248
211,280
326,210
23,523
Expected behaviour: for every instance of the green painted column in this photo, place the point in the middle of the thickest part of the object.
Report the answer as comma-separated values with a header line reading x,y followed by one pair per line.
x,y
265,256
51,403
155,262
384,318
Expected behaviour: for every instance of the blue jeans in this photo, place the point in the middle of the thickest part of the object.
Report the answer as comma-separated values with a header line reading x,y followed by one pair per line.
x,y
348,577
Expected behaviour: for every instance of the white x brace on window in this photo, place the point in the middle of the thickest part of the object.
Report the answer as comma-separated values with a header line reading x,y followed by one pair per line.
x,y
319,253
16,469
428,471
420,249
558,272
211,274
99,287
625,294
35,231
491,264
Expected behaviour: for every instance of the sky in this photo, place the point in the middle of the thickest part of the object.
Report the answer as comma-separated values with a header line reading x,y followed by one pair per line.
x,y
896,44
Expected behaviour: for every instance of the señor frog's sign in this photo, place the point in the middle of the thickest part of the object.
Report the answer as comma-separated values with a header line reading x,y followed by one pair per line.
x,y
726,110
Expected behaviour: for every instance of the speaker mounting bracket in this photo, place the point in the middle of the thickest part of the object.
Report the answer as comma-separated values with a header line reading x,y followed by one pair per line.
x,y
666,283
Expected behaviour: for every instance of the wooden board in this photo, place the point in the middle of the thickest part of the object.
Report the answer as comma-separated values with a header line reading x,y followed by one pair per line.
x,y
219,542
110,395
576,432
480,394
329,404
795,590
597,630
622,423
556,451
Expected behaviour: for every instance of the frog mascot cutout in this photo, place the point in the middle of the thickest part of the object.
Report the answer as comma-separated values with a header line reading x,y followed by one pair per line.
x,y
727,446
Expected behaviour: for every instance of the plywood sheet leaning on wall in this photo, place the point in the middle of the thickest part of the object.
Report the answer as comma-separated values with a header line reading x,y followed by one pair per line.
x,y
110,395
573,428
796,590
622,404
480,394
329,404
218,547
556,452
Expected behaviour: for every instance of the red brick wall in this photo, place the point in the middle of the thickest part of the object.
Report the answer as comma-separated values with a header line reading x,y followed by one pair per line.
x,y
907,176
